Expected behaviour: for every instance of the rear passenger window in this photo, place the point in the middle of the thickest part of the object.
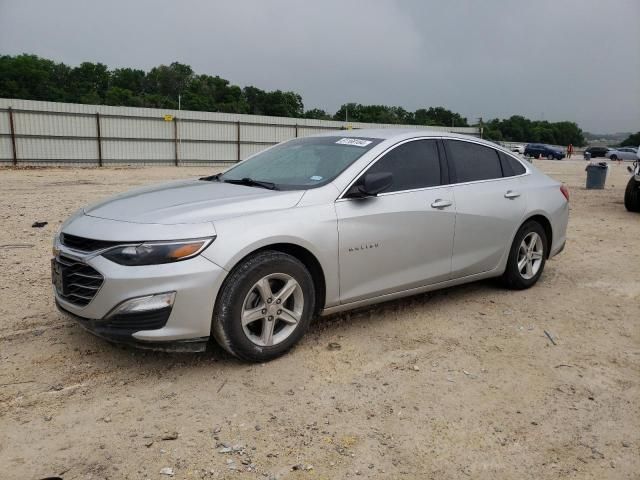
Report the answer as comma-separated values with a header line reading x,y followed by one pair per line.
x,y
474,162
510,166
413,165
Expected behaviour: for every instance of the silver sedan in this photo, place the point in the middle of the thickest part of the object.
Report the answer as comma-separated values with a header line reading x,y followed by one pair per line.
x,y
311,226
622,153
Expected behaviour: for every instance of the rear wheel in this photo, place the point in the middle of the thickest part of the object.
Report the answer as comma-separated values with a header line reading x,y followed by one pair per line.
x,y
632,195
527,257
264,307
550,157
614,157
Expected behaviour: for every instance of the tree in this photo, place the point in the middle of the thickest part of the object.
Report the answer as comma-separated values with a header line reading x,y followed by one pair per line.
x,y
89,82
317,114
168,81
34,78
632,140
130,79
439,116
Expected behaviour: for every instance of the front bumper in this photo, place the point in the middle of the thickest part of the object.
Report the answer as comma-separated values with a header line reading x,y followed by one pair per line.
x,y
107,331
196,282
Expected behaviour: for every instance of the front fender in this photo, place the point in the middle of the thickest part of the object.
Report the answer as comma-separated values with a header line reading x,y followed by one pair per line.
x,y
313,228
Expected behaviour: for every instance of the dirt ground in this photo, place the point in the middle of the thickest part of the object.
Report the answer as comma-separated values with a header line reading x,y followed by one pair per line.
x,y
461,383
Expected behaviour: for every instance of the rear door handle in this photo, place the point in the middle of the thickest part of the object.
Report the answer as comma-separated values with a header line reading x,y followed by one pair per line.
x,y
511,194
440,203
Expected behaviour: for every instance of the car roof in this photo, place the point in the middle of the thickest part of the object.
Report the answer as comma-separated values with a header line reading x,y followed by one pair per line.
x,y
398,134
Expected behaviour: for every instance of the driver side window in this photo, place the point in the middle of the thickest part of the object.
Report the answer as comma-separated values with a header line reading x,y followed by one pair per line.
x,y
414,165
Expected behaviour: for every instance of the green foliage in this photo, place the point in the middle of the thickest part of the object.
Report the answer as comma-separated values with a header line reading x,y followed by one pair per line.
x,y
440,116
632,140
520,129
33,78
317,114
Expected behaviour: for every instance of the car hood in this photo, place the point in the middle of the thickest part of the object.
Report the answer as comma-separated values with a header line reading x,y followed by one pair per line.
x,y
191,201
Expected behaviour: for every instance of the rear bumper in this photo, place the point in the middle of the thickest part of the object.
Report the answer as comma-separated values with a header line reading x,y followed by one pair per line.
x,y
558,250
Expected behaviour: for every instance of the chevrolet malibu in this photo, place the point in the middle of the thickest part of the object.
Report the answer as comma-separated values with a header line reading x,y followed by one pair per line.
x,y
311,226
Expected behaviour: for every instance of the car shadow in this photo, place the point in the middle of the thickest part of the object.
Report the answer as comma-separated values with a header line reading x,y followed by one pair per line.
x,y
129,357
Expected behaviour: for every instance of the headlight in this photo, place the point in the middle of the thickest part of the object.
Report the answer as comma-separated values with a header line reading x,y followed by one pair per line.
x,y
154,253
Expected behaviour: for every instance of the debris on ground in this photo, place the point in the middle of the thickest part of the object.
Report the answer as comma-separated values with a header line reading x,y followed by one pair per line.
x,y
550,337
39,224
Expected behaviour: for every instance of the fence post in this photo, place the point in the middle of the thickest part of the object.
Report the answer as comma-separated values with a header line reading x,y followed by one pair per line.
x,y
238,139
99,139
296,130
175,139
12,128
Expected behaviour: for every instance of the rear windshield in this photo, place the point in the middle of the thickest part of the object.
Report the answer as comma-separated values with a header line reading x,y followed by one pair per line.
x,y
303,163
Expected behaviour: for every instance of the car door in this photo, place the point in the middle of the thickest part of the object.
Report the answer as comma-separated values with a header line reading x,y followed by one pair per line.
x,y
403,237
490,204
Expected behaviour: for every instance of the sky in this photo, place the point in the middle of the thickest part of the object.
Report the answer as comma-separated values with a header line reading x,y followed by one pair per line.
x,y
576,60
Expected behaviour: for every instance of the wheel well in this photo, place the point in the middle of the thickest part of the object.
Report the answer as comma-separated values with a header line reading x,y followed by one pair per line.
x,y
309,260
546,225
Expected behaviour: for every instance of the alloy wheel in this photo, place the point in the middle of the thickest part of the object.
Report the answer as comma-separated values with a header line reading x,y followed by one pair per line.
x,y
272,309
530,255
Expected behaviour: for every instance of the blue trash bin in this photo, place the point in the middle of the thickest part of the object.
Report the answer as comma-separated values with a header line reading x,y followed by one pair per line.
x,y
596,175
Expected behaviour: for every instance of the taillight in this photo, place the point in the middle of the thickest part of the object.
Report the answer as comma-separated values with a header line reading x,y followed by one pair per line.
x,y
565,191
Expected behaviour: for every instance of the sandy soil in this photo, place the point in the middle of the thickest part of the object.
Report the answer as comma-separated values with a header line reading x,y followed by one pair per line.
x,y
461,383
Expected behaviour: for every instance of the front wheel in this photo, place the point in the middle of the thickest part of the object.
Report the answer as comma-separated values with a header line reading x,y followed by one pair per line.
x,y
632,196
527,257
264,307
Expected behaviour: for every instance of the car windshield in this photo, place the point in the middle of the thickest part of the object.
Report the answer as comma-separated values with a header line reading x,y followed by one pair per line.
x,y
302,163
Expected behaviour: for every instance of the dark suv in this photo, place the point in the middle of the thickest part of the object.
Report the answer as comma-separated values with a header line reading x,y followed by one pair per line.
x,y
596,152
539,150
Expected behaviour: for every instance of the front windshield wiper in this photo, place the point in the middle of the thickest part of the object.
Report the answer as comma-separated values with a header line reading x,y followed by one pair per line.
x,y
211,178
250,182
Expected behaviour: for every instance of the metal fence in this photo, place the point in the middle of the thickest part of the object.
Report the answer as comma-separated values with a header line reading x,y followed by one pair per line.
x,y
49,133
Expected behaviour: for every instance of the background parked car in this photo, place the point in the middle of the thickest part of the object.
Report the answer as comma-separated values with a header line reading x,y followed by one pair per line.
x,y
517,148
596,152
543,151
622,153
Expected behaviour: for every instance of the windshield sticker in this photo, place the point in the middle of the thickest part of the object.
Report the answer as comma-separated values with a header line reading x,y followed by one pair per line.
x,y
356,142
316,178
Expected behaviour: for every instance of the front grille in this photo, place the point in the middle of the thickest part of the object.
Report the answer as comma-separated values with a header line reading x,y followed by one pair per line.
x,y
79,282
85,244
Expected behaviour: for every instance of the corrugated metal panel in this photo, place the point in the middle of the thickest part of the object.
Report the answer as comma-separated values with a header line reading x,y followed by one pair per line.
x,y
119,127
4,122
248,150
266,133
135,149
207,131
56,149
54,125
131,134
6,152
214,152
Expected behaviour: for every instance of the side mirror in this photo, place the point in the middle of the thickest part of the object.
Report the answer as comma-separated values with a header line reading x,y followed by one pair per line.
x,y
370,185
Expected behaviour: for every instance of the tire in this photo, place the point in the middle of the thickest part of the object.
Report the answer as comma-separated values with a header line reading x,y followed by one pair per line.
x,y
550,157
613,157
632,196
515,278
244,292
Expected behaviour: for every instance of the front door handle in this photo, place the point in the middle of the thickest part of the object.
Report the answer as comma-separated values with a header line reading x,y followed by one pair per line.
x,y
440,203
511,194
